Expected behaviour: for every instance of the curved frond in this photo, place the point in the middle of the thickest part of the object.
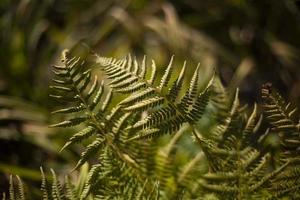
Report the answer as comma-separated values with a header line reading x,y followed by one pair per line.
x,y
189,109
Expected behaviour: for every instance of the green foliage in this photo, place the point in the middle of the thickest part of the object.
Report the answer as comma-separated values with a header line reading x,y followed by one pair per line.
x,y
133,128
244,39
52,189
284,122
167,110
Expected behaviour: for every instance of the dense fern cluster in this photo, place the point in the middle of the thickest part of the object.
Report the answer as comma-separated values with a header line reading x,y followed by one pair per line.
x,y
123,119
284,123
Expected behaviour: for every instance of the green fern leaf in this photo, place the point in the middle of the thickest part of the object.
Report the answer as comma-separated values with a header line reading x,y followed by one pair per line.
x,y
148,133
199,106
97,97
21,195
132,88
91,180
278,112
45,193
78,137
153,73
166,77
143,68
70,110
177,85
91,150
57,191
70,190
11,188
107,100
141,106
138,96
70,122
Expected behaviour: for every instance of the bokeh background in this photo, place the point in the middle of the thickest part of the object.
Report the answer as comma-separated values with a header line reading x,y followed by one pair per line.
x,y
247,42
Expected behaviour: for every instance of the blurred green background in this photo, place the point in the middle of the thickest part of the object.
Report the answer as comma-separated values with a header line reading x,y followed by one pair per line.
x,y
248,42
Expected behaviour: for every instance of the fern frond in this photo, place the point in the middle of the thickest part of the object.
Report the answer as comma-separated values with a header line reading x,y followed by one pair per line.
x,y
153,73
106,101
97,96
70,109
237,167
91,150
155,118
278,112
148,133
199,105
144,105
45,193
78,137
282,117
11,188
164,169
221,189
21,193
70,190
70,122
177,85
138,97
194,83
91,180
90,103
57,190
143,68
189,109
286,183
185,175
166,77
16,192
61,88
269,176
232,162
124,83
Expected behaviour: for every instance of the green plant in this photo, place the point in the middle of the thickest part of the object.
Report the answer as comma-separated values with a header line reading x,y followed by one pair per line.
x,y
136,126
285,123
